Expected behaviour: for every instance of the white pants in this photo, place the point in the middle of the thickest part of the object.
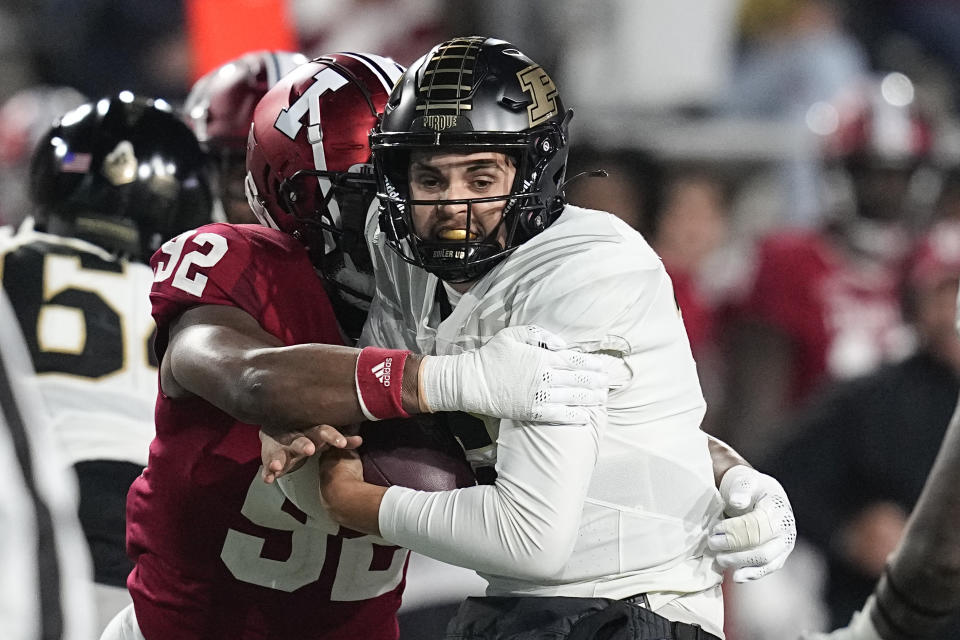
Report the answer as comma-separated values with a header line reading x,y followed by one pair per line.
x,y
123,626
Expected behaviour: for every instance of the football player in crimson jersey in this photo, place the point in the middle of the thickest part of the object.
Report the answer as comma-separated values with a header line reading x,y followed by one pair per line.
x,y
247,337
219,109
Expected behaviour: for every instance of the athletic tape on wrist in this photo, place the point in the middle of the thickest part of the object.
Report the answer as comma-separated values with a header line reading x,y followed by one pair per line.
x,y
379,377
421,391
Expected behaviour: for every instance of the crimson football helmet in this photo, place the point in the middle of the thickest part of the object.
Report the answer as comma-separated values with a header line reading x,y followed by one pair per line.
x,y
309,172
877,135
468,95
219,109
123,173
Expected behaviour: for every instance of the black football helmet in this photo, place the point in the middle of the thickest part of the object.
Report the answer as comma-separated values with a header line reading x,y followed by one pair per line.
x,y
468,95
123,173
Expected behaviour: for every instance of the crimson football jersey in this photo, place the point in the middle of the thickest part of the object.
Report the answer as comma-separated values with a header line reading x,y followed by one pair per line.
x,y
843,318
219,553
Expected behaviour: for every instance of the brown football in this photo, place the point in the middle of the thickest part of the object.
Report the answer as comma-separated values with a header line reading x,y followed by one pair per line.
x,y
418,452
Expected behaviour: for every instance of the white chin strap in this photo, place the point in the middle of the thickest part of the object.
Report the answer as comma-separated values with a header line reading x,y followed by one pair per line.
x,y
256,204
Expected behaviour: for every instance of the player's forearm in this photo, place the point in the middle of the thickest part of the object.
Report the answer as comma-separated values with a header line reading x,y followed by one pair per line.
x,y
525,525
311,384
223,355
724,458
923,585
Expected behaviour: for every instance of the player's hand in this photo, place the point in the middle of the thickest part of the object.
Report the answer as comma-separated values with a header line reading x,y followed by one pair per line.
x,y
860,628
283,453
345,496
338,469
522,373
760,530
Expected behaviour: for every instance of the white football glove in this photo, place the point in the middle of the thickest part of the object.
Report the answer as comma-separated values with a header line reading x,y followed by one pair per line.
x,y
860,628
760,531
522,373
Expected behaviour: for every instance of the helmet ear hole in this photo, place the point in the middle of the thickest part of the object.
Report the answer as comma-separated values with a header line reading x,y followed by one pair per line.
x,y
287,197
533,223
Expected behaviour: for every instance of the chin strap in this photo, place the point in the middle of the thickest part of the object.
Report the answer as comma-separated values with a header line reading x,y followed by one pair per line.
x,y
595,173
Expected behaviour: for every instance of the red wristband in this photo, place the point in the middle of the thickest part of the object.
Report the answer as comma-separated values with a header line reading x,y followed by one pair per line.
x,y
379,382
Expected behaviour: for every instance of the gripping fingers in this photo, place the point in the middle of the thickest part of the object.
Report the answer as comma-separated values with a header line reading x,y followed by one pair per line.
x,y
558,355
743,532
567,359
755,563
554,378
561,414
282,454
286,458
326,437
574,396
566,396
536,336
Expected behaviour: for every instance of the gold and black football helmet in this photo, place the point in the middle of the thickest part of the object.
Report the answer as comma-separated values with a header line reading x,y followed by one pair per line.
x,y
467,95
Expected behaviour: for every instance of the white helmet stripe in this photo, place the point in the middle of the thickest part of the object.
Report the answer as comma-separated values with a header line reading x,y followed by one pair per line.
x,y
386,69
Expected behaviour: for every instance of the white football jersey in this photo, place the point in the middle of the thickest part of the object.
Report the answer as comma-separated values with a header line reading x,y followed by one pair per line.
x,y
86,318
623,504
45,585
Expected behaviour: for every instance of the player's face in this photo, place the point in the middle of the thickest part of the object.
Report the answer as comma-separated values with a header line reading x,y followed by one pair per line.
x,y
458,176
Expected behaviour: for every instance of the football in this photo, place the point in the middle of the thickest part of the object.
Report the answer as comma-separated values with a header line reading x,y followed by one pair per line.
x,y
417,452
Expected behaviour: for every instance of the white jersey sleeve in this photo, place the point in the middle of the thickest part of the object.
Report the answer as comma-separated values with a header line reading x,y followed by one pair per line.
x,y
524,525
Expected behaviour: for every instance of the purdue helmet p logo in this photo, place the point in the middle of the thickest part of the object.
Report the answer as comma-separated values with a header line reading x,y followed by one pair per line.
x,y
543,92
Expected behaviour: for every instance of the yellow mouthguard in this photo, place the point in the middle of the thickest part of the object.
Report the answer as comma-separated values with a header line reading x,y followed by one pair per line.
x,y
455,234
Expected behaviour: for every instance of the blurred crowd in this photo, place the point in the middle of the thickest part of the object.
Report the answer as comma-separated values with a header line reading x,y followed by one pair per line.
x,y
795,163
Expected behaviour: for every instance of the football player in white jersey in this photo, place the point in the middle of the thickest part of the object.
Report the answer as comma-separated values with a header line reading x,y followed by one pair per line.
x,y
111,180
613,515
45,586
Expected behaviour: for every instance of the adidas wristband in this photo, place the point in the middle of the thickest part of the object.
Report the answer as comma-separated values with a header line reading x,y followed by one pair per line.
x,y
379,378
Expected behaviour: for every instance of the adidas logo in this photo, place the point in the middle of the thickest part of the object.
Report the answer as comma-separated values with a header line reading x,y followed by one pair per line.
x,y
382,371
